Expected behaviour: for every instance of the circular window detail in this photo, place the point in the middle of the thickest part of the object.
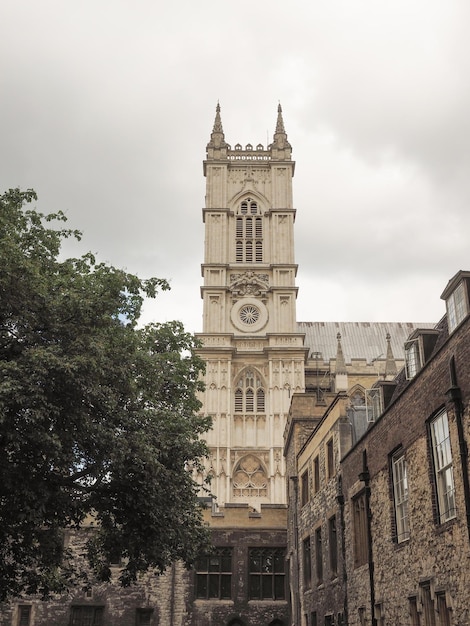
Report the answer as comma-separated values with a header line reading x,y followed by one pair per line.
x,y
249,314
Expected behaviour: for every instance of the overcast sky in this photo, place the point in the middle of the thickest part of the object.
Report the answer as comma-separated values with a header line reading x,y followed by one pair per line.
x,y
106,107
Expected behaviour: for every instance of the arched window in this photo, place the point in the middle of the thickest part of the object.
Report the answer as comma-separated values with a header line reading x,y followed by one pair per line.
x,y
249,233
249,393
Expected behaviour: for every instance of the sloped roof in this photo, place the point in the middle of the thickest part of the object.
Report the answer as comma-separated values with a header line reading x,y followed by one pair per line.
x,y
360,340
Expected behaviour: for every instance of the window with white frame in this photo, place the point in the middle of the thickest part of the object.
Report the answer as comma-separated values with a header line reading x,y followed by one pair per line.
x,y
457,307
443,467
249,233
412,358
400,495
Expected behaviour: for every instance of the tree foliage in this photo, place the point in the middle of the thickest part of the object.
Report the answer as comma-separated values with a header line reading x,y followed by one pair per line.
x,y
97,416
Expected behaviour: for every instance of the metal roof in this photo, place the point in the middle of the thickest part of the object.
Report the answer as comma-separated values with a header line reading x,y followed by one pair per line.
x,y
359,340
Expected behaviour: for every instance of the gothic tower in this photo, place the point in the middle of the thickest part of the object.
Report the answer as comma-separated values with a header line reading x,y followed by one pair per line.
x,y
254,354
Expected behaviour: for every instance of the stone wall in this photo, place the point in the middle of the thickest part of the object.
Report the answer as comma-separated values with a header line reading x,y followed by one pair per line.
x,y
431,569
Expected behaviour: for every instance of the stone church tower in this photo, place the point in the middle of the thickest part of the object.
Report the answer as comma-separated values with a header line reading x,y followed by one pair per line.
x,y
254,354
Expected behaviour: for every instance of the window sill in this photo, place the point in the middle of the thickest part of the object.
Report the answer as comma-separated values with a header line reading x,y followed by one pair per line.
x,y
202,601
258,602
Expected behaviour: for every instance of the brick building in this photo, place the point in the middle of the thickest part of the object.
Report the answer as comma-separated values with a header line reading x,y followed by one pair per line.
x,y
410,470
379,520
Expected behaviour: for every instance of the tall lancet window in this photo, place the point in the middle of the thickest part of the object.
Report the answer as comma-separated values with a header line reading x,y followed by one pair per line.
x,y
249,393
249,233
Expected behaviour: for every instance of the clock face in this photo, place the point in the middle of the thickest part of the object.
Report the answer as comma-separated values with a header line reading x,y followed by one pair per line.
x,y
249,315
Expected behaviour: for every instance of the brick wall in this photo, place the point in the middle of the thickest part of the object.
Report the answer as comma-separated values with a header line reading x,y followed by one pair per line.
x,y
436,555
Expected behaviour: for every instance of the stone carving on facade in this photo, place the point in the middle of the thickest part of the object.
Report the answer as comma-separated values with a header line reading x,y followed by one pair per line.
x,y
240,175
250,478
250,345
223,374
249,284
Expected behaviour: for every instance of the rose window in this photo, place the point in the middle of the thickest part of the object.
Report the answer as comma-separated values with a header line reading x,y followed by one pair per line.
x,y
249,314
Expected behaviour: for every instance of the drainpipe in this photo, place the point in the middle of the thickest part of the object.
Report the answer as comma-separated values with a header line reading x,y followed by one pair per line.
x,y
364,476
296,583
454,394
340,501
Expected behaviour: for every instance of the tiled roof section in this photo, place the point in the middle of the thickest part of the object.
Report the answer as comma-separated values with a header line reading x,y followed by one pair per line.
x,y
360,340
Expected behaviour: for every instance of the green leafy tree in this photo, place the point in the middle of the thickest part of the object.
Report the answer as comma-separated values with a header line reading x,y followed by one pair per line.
x,y
98,417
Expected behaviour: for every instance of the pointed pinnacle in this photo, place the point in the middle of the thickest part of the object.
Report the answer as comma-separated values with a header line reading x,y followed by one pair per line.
x,y
218,121
280,122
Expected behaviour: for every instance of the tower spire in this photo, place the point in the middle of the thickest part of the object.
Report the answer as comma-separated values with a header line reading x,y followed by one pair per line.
x,y
217,140
280,122
281,148
217,122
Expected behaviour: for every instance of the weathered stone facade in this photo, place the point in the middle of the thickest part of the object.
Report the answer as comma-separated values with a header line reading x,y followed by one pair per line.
x,y
155,600
399,493
242,529
316,536
429,571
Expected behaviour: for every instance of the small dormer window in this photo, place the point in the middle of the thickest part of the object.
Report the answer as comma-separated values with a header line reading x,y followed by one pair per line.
x,y
418,350
456,296
412,358
457,307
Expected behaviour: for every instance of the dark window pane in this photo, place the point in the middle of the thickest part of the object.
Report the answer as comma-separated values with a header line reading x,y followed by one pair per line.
x,y
214,564
255,561
279,587
279,562
267,587
226,563
24,615
201,586
255,589
225,586
213,585
201,564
